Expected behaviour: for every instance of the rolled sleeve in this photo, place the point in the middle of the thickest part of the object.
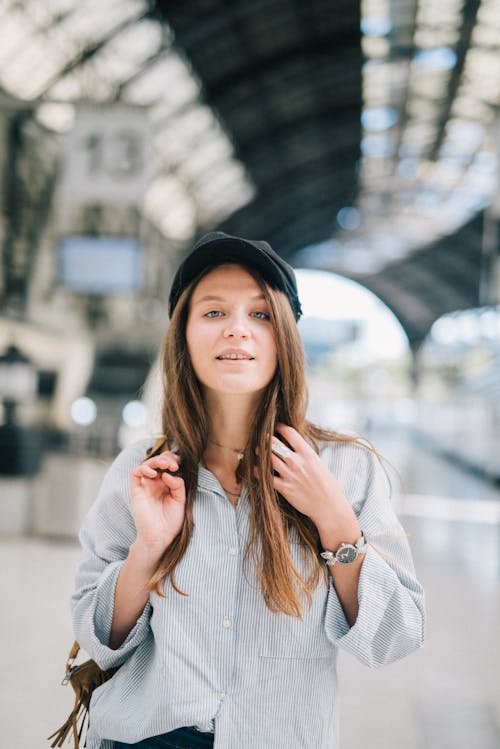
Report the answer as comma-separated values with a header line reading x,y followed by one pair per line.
x,y
93,615
391,617
389,624
105,537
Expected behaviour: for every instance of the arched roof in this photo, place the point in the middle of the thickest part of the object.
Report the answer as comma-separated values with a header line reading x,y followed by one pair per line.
x,y
440,278
355,137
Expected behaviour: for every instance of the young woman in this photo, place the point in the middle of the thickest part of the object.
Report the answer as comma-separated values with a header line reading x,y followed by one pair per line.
x,y
222,574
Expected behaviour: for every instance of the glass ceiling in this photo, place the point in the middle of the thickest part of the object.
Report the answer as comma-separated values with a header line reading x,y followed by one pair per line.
x,y
59,52
431,85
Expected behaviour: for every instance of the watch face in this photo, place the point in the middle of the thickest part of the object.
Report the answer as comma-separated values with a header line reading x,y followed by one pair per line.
x,y
346,554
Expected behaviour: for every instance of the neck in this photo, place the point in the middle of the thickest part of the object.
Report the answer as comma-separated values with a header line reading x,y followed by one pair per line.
x,y
230,419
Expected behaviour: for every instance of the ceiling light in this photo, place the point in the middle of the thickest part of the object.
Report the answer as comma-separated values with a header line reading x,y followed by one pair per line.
x,y
349,218
438,58
83,411
377,119
376,26
376,145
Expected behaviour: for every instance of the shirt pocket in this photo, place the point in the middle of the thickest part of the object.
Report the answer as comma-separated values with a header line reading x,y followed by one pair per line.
x,y
283,636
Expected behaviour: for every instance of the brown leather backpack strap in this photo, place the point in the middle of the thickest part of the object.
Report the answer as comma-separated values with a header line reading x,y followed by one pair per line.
x,y
75,649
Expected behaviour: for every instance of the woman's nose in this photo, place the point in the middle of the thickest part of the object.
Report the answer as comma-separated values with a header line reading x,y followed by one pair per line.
x,y
236,328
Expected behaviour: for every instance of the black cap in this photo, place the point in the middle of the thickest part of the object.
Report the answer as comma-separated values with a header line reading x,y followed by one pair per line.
x,y
217,248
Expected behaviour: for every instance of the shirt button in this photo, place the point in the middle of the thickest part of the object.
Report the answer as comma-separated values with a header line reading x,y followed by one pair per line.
x,y
226,623
221,696
232,551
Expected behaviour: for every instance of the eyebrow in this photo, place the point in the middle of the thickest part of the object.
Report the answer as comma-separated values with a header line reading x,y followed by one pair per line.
x,y
216,298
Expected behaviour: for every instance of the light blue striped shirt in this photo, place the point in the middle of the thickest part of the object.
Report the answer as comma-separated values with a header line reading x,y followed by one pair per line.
x,y
219,659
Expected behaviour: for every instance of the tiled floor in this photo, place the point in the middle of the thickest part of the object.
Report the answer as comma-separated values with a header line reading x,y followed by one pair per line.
x,y
446,696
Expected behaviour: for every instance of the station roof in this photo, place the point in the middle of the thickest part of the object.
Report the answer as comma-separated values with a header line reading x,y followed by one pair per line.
x,y
357,138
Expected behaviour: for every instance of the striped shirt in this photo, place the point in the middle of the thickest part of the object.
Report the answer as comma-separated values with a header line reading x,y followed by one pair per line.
x,y
218,659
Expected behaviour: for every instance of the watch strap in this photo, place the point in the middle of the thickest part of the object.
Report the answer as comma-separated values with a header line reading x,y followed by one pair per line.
x,y
332,557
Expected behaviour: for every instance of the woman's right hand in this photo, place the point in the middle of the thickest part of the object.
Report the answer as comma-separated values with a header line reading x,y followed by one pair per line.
x,y
158,502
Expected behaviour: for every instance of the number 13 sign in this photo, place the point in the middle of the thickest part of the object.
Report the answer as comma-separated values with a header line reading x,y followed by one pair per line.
x,y
108,158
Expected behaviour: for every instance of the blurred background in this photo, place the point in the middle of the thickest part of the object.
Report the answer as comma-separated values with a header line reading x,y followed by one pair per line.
x,y
362,141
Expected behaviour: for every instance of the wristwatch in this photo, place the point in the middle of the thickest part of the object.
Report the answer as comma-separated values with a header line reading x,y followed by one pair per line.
x,y
346,553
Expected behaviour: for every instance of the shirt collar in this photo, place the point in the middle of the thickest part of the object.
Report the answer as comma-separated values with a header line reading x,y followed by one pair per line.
x,y
207,480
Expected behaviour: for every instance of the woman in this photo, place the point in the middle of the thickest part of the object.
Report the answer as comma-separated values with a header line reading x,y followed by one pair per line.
x,y
222,574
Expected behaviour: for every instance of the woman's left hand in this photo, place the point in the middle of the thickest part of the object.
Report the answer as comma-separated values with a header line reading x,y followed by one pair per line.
x,y
309,486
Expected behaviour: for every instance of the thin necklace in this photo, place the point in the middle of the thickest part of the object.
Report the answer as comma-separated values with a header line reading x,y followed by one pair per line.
x,y
239,453
233,494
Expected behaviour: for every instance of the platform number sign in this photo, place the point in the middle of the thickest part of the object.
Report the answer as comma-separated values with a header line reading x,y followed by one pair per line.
x,y
108,156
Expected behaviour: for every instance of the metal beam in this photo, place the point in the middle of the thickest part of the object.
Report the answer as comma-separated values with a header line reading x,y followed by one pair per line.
x,y
90,51
469,14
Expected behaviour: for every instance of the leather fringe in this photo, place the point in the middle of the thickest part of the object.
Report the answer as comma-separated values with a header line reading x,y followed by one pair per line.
x,y
84,679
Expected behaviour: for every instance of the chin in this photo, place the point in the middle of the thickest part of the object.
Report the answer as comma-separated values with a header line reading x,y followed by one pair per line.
x,y
233,388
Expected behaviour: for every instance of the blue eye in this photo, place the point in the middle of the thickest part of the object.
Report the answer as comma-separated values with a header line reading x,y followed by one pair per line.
x,y
213,313
261,315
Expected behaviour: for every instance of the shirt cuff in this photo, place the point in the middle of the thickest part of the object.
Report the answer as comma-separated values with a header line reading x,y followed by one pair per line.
x,y
377,583
100,628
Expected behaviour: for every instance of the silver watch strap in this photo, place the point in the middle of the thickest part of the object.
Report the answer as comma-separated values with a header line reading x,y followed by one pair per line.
x,y
361,543
331,556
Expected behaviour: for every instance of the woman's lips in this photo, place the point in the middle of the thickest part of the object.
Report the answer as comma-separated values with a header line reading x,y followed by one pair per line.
x,y
235,356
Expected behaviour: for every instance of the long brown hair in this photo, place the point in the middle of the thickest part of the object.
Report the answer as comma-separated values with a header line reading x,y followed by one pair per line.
x,y
272,519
